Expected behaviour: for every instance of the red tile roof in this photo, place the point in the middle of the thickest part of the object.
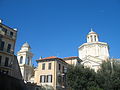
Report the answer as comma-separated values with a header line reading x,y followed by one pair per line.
x,y
72,57
54,57
51,57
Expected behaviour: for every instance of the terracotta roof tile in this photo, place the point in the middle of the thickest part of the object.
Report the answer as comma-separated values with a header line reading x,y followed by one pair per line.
x,y
72,57
51,57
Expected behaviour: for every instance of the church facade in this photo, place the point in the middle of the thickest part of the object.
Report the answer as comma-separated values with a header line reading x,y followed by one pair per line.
x,y
94,52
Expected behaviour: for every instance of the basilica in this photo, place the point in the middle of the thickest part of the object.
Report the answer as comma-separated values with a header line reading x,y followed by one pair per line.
x,y
94,52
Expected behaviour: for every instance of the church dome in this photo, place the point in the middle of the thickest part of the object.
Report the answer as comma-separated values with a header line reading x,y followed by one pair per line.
x,y
26,45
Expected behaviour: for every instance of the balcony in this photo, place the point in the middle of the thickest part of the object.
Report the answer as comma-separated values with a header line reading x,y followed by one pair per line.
x,y
1,32
3,50
6,35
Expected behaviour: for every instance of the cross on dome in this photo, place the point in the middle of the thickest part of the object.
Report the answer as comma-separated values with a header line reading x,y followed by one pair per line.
x,y
92,32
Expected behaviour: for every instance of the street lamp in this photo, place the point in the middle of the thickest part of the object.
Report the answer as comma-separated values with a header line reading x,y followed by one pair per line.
x,y
65,71
112,65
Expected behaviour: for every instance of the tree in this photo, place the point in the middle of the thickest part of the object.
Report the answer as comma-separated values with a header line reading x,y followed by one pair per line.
x,y
108,77
80,78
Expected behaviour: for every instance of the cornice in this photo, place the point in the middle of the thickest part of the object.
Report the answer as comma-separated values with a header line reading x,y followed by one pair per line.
x,y
93,43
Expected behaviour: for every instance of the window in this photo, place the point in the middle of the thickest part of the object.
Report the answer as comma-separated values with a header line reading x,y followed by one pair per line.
x,y
4,72
0,28
49,78
45,78
28,61
5,30
43,66
88,38
42,78
6,61
11,34
95,38
91,39
59,66
49,66
0,59
63,69
9,48
2,45
21,59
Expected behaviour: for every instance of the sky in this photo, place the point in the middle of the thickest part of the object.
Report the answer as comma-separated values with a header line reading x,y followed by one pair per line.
x,y
59,27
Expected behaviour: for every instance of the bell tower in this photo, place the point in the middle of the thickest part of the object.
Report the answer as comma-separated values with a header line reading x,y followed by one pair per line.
x,y
25,61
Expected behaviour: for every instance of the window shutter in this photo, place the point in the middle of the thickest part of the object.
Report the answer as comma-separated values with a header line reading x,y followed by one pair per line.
x,y
40,79
51,78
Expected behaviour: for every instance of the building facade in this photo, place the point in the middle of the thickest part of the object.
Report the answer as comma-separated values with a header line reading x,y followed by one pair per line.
x,y
93,52
74,60
8,61
24,57
50,73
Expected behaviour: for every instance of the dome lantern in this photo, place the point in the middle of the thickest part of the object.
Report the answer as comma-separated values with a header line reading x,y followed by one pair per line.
x,y
92,36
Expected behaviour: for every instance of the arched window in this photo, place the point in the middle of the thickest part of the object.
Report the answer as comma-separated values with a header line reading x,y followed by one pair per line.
x,y
95,38
91,38
21,59
28,61
88,39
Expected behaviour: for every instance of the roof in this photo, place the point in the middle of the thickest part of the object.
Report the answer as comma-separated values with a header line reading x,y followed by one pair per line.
x,y
8,27
72,57
50,58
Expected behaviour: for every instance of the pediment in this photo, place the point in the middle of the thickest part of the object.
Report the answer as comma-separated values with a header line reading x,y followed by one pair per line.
x,y
92,59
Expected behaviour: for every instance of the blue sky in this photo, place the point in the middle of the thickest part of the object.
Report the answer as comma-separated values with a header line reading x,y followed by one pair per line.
x,y
59,27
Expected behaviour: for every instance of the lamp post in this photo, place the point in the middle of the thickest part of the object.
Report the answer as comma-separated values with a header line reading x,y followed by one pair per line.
x,y
65,71
112,66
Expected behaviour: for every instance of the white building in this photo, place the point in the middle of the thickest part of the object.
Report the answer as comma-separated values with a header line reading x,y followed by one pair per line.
x,y
93,52
25,62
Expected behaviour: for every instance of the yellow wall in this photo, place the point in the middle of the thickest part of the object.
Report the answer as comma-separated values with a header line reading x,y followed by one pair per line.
x,y
54,72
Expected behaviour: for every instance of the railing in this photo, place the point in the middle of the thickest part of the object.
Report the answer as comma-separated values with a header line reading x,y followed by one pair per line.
x,y
2,33
6,51
7,35
12,37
